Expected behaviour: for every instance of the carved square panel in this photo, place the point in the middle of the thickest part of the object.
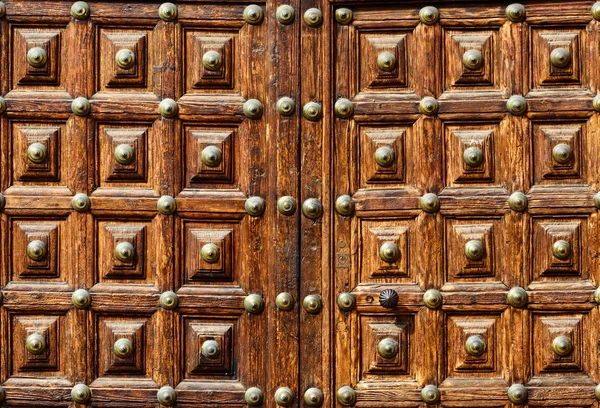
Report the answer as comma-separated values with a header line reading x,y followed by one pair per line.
x,y
470,249
557,247
383,60
43,238
209,155
48,358
123,235
382,155
209,251
124,345
36,150
544,42
470,156
44,45
548,329
398,329
557,152
132,71
476,72
380,237
209,347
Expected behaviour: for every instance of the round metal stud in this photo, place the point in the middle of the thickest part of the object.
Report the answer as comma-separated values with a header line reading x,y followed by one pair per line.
x,y
596,103
81,299
312,111
430,203
255,206
35,343
517,297
346,396
254,303
253,109
81,202
286,205
125,58
37,250
81,107
385,156
312,304
312,208
429,106
81,393
562,346
597,295
561,250
432,299
472,59
124,251
475,345
168,108
386,61
212,60
253,14
344,205
343,108
517,201
167,396
344,16
284,397
596,11
2,105
313,17
284,301
210,253
123,348
166,205
211,156
124,154
517,105
388,348
2,14
2,201
169,300
254,397
286,106
597,388
515,12
167,12
473,156
474,250
517,394
562,153
37,57
80,10
430,394
429,15
2,394
313,397
560,57
346,302
389,252
285,14
388,298
211,349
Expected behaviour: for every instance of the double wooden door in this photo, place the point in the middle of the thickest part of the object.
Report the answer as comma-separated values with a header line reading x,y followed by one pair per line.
x,y
301,203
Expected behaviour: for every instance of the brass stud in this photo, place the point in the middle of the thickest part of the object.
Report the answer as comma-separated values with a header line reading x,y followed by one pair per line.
x,y
517,394
343,108
596,11
344,16
517,201
2,201
517,105
517,297
388,348
286,205
597,388
168,108
560,57
473,156
515,12
284,301
2,105
35,343
167,396
472,59
254,304
123,348
430,203
253,109
432,299
562,153
284,396
210,253
562,346
313,397
81,202
80,10
389,298
561,250
344,205
429,106
37,250
312,111
285,14
2,394
429,15
125,58
312,304
124,154
81,299
596,101
169,300
475,345
81,393
2,14
286,106
212,60
597,295
389,252
312,208
385,156
346,302
254,397
124,251
167,12
386,61
211,156
255,206
474,250
253,14
313,17
346,396
430,394
37,57
81,107
166,205
211,349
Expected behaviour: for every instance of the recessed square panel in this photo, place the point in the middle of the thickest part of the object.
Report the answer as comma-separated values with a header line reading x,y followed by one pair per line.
x,y
550,332
36,152
382,155
36,249
557,247
209,251
558,152
383,60
37,56
209,155
470,154
471,59
471,249
551,71
209,347
385,249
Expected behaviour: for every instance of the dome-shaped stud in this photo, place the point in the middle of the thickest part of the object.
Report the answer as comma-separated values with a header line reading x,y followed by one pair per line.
x,y
81,299
429,106
346,396
344,16
81,202
254,303
123,348
346,301
596,200
474,250
211,349
167,396
388,348
35,343
596,102
284,397
167,12
343,108
312,208
169,300
560,57
284,301
124,251
254,397
80,10
253,14
344,205
212,60
517,394
597,388
125,58
429,15
286,205
475,345
517,297
312,304
430,203
388,298
473,156
37,57
561,250
515,12
255,206
472,59
2,105
253,109
2,394
286,106
166,205
81,107
81,393
430,394
386,61
518,201
2,201
313,397
596,11
313,17
210,253
385,156
517,105
124,154
2,14
597,295
432,299
562,153
389,252
562,346
285,14
168,108
211,156
37,250
312,111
